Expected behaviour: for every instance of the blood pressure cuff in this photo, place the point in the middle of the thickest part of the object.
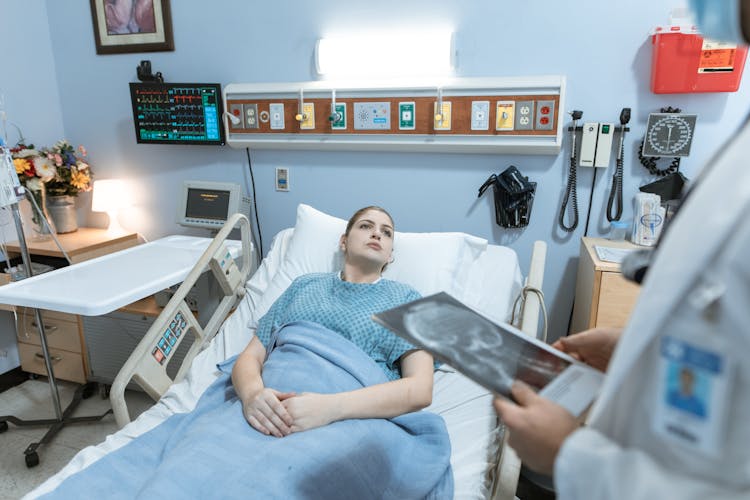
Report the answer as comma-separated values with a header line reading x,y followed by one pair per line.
x,y
513,197
668,188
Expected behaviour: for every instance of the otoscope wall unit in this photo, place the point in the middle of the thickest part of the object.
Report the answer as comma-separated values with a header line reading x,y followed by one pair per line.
x,y
510,115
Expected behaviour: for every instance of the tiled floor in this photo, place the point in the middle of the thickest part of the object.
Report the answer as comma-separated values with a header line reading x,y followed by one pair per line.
x,y
32,400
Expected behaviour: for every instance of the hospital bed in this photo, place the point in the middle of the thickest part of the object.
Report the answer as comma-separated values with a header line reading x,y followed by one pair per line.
x,y
487,277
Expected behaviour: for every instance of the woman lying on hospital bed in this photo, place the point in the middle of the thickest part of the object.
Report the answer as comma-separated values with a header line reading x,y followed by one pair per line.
x,y
317,364
343,303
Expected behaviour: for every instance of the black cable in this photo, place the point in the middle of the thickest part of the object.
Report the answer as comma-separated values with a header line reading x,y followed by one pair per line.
x,y
591,199
571,194
650,163
615,194
255,204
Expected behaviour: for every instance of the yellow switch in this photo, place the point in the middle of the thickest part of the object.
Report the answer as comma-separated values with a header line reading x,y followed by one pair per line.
x,y
505,115
443,117
308,116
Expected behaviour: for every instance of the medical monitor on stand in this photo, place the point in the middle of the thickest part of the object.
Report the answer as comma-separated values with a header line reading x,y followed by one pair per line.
x,y
209,204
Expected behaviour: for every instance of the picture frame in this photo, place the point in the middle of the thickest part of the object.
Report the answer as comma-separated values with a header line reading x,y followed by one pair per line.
x,y
128,26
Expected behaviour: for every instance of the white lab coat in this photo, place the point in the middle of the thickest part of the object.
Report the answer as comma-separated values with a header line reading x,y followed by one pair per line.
x,y
698,290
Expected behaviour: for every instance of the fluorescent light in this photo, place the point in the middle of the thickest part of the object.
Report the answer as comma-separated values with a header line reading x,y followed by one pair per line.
x,y
416,53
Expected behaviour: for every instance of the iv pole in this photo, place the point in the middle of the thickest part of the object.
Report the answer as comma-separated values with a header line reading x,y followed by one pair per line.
x,y
9,197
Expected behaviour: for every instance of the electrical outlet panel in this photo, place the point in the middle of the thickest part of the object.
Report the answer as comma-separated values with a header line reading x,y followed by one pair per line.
x,y
236,110
308,116
508,115
372,116
480,115
406,115
524,119
338,115
282,179
588,144
251,115
545,115
444,123
505,115
276,110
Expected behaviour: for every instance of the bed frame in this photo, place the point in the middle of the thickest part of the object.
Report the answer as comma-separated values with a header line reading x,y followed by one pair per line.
x,y
147,365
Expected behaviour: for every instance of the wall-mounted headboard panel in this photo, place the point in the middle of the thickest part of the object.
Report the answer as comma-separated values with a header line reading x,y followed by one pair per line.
x,y
463,115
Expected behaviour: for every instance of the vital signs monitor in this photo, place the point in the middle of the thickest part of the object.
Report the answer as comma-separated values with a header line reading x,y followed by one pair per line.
x,y
209,204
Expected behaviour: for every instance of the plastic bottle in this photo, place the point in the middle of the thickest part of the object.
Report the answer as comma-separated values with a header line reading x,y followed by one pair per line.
x,y
618,230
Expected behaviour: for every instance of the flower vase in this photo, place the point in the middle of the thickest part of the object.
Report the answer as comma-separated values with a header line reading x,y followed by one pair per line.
x,y
62,209
39,231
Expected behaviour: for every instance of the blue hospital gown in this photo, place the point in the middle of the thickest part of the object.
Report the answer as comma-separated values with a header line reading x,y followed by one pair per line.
x,y
345,308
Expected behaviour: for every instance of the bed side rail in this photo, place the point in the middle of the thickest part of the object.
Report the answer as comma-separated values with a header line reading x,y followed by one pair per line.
x,y
509,465
147,365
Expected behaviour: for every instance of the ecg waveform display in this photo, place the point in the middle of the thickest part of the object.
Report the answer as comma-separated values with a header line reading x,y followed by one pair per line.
x,y
177,113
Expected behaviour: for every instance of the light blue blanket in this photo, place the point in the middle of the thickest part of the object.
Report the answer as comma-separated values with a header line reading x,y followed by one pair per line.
x,y
212,452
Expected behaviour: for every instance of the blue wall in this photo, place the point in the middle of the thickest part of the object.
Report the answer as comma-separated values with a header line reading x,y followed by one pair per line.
x,y
602,47
28,82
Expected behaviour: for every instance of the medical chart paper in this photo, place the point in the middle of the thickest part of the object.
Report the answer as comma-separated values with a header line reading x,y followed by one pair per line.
x,y
492,354
610,254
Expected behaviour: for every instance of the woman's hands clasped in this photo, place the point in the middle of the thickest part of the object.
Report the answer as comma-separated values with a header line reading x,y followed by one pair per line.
x,y
266,413
282,413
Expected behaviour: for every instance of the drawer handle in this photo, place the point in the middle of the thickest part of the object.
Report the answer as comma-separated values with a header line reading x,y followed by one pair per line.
x,y
47,328
54,359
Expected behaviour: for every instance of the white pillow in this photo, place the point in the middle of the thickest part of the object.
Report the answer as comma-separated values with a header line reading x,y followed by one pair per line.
x,y
430,262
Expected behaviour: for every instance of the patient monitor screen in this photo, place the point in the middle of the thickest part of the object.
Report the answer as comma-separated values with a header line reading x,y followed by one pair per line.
x,y
207,204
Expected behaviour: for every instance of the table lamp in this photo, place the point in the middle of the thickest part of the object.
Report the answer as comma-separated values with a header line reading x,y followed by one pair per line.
x,y
109,196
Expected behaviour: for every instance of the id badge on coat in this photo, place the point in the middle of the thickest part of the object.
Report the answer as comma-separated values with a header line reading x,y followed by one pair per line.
x,y
693,395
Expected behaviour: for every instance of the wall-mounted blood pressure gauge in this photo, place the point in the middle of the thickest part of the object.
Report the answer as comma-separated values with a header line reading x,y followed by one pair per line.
x,y
669,134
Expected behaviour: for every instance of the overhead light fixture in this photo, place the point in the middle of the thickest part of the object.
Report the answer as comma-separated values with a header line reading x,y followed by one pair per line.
x,y
386,54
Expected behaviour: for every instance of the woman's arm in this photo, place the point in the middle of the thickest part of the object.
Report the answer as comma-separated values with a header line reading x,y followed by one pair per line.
x,y
410,393
261,406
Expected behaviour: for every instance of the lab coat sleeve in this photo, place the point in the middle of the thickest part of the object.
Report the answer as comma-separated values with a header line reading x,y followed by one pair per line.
x,y
589,465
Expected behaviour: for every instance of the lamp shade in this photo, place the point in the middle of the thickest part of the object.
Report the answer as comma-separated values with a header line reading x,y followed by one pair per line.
x,y
109,195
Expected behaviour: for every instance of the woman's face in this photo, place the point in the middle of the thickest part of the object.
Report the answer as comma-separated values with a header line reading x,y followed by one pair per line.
x,y
370,240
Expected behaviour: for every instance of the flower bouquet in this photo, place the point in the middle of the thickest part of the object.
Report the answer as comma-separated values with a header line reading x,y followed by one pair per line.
x,y
53,176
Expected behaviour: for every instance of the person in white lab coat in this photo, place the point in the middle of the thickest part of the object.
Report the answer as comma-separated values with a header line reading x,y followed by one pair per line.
x,y
641,441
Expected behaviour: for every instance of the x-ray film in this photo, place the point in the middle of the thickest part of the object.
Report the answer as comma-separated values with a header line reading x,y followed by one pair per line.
x,y
491,354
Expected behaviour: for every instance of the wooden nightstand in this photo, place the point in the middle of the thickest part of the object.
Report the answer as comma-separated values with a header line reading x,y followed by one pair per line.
x,y
64,331
603,296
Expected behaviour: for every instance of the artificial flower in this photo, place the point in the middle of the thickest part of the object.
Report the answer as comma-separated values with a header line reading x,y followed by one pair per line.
x,y
57,169
44,168
22,165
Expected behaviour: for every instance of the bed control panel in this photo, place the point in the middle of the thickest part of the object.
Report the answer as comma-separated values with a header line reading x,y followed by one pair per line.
x,y
167,343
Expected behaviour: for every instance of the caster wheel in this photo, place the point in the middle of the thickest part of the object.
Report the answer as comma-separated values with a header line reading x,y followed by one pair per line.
x,y
3,426
88,390
32,459
104,391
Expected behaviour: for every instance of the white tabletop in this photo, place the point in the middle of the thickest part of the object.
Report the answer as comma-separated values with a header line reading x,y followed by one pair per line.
x,y
104,284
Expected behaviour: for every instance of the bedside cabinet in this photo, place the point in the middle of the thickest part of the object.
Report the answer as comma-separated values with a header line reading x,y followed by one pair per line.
x,y
65,339
603,297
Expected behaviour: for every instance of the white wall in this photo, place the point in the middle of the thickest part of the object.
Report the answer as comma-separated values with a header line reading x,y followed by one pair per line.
x,y
603,48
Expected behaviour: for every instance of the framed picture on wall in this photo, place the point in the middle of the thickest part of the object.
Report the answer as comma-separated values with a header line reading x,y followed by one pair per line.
x,y
122,26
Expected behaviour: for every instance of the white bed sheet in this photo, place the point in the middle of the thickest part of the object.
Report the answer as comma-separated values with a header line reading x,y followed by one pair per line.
x,y
495,279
